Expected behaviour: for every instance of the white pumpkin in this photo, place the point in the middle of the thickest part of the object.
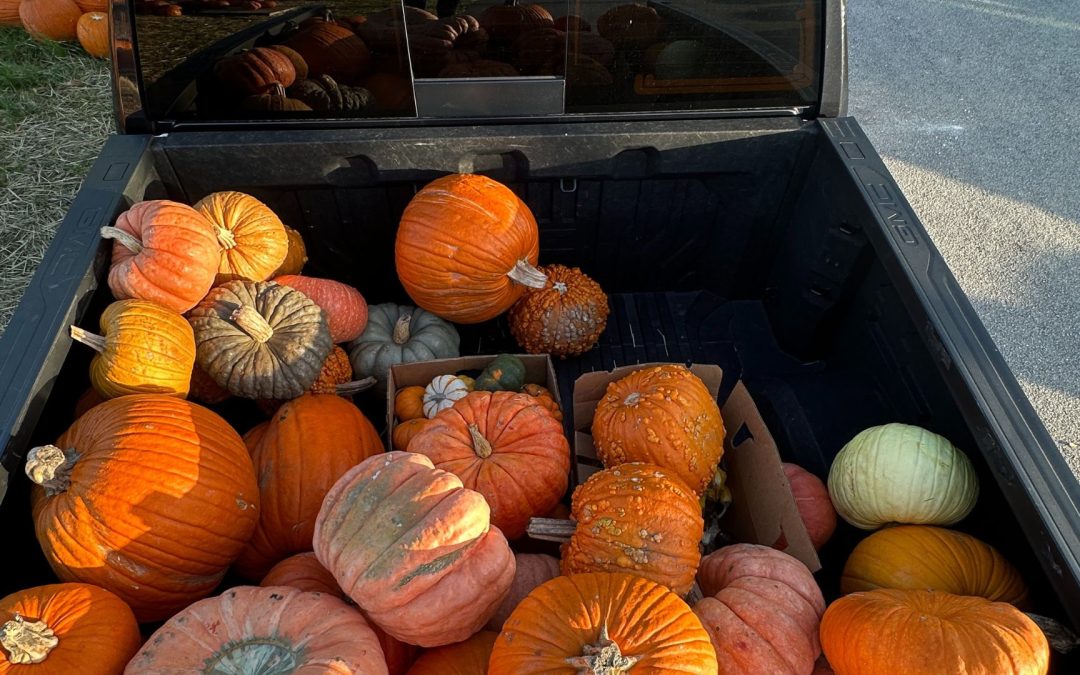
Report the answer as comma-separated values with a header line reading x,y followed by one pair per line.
x,y
441,393
899,473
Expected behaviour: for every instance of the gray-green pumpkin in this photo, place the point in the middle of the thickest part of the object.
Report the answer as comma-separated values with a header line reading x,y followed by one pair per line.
x,y
260,340
400,334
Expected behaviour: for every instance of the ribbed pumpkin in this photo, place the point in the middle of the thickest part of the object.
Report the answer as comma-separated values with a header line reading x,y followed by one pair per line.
x,y
252,238
636,518
275,630
761,608
434,578
463,658
66,628
922,556
812,500
149,496
308,445
93,33
409,403
919,632
506,447
565,318
400,334
9,13
50,19
163,251
329,49
404,432
304,572
544,398
93,5
441,393
260,340
346,311
295,258
467,248
145,349
603,623
255,71
301,68
532,569
664,415
506,22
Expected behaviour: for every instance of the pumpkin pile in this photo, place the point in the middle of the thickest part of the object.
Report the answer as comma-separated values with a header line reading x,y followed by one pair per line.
x,y
432,556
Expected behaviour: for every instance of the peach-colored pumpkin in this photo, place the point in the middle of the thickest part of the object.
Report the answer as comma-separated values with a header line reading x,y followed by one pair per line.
x,y
533,569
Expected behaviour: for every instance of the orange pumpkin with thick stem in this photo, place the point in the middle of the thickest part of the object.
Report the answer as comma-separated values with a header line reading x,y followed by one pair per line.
x,y
346,310
927,557
304,572
409,403
66,628
469,657
466,248
163,251
93,33
565,318
762,609
533,569
435,578
584,622
252,238
149,496
285,630
930,633
636,518
308,445
664,415
50,19
507,448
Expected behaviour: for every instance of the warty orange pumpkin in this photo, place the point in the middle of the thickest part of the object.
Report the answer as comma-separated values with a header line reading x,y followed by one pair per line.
x,y
664,415
148,496
346,310
438,574
466,248
506,447
308,445
602,623
469,657
252,238
565,318
162,251
66,628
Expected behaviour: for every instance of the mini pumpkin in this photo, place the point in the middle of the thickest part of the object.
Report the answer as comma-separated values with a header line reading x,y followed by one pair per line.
x,y
565,318
602,623
636,518
544,398
255,71
149,496
664,415
346,310
325,94
441,393
252,238
163,251
405,431
295,258
270,630
93,33
309,443
260,340
66,628
466,248
435,578
145,349
469,657
930,633
506,372
303,572
400,334
409,403
506,447
533,569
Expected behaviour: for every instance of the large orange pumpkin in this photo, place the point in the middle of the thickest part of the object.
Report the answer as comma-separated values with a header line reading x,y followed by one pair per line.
x,y
50,19
93,33
662,415
330,49
467,248
163,251
345,309
532,569
463,658
603,623
438,573
762,609
308,445
505,446
303,571
148,496
253,239
927,557
909,632
249,629
636,518
66,628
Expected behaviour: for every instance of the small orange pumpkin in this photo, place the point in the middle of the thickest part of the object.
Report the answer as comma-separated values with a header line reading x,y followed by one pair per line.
x,y
252,238
50,19
409,403
405,431
93,33
461,658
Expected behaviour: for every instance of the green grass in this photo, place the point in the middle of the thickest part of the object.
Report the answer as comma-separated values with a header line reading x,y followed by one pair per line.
x,y
55,112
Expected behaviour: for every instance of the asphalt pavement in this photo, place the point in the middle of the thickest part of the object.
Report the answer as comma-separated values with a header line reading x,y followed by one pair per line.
x,y
975,105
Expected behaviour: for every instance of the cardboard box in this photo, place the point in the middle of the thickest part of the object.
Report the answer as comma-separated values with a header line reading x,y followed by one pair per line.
x,y
763,510
538,370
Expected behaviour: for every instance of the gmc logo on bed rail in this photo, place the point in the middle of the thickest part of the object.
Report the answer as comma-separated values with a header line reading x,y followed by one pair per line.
x,y
883,193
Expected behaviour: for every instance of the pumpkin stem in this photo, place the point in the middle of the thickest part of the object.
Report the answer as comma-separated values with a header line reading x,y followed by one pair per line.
x,y
551,529
525,274
354,387
92,340
251,322
480,445
50,467
27,642
126,239
602,658
632,398
225,237
401,329
560,287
